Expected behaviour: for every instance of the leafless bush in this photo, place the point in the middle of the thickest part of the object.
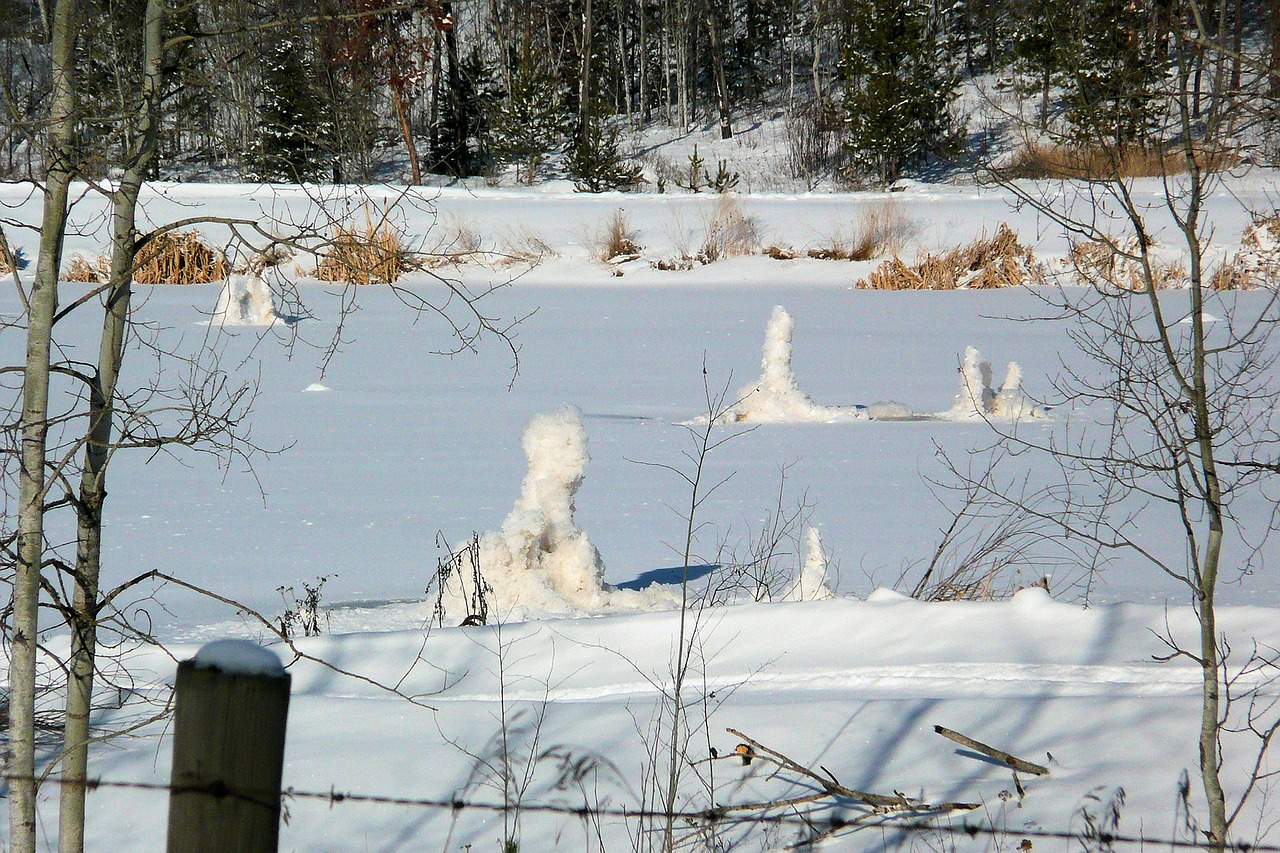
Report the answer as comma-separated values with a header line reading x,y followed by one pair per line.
x,y
813,140
728,231
616,239
1257,264
882,230
1112,266
760,567
372,255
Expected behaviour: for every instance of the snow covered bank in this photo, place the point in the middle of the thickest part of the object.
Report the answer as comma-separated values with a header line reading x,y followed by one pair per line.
x,y
854,687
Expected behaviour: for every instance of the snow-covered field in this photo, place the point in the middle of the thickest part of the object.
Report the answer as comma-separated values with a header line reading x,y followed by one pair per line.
x,y
388,450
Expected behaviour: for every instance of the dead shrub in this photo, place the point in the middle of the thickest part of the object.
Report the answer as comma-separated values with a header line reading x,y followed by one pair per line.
x,y
1078,162
985,263
1108,266
1257,264
728,231
617,239
179,257
781,253
373,255
90,270
882,231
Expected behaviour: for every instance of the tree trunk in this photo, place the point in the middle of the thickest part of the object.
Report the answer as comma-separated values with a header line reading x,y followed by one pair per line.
x,y
93,493
717,64
402,113
35,410
1274,68
584,70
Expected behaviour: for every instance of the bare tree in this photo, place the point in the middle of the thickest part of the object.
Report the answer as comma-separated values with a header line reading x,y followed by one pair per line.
x,y
1191,396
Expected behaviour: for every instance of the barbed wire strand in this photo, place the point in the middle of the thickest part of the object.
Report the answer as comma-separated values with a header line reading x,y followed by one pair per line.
x,y
719,814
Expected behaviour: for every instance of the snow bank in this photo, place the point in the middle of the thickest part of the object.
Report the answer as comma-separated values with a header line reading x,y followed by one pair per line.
x,y
540,562
977,400
245,300
776,397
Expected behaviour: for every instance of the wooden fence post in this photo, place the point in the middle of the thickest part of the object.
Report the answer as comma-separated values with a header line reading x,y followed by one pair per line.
x,y
228,750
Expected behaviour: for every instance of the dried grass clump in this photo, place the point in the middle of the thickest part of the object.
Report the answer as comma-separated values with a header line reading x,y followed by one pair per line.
x,y
1078,162
90,270
998,261
780,253
1257,264
882,231
1109,267
728,231
374,255
616,241
179,257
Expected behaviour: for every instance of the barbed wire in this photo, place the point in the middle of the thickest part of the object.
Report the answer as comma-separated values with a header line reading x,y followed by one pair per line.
x,y
917,821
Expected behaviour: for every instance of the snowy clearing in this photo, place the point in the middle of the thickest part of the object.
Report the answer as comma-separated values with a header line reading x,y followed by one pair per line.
x,y
391,454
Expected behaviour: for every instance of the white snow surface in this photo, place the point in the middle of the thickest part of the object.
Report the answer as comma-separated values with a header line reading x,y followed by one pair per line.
x,y
239,657
419,449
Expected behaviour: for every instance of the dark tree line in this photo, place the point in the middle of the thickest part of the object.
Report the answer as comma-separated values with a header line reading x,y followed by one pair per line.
x,y
465,88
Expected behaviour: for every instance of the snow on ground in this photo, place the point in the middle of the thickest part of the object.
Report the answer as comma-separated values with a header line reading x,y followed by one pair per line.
x,y
403,454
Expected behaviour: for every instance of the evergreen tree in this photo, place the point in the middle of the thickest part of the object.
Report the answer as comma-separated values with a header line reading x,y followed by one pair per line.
x,y
529,121
597,163
1112,75
293,128
898,88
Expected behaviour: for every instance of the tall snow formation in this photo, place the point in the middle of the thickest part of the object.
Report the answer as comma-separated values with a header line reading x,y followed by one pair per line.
x,y
245,300
811,582
977,400
540,561
776,397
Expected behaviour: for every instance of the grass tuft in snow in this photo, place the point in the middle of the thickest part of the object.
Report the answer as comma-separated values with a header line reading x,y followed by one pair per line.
x,y
988,262
371,255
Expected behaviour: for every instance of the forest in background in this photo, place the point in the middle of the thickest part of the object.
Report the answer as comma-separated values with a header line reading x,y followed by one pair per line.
x,y
343,91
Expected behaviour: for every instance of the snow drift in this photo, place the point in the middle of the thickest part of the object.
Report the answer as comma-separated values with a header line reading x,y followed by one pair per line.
x,y
978,401
776,397
811,582
245,300
540,561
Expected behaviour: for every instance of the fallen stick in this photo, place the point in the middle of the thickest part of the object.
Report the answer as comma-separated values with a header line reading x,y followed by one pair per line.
x,y
991,752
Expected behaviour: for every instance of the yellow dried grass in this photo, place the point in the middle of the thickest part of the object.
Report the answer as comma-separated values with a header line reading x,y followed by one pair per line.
x,y
1107,266
985,263
179,257
1078,162
373,255
1257,264
89,270
173,257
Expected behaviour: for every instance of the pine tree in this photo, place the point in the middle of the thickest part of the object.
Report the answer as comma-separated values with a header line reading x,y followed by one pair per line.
x,y
293,129
1112,75
597,163
529,121
898,88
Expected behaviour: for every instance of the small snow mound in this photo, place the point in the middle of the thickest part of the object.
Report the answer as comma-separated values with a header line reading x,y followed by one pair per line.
x,y
541,561
977,400
810,583
1204,318
245,300
1032,598
889,410
239,657
776,397
886,595
316,387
